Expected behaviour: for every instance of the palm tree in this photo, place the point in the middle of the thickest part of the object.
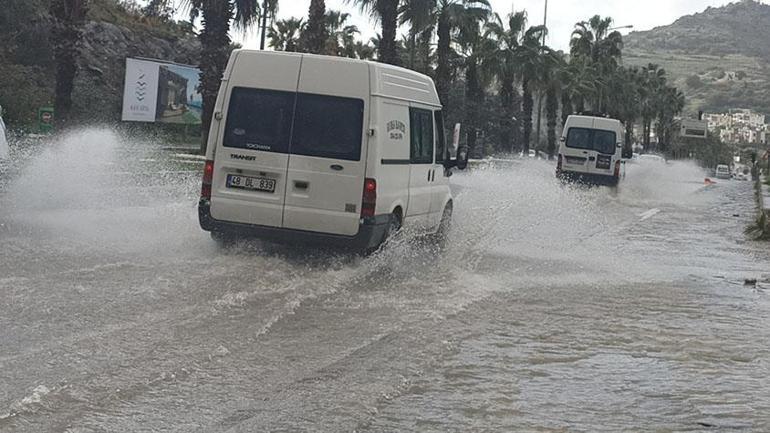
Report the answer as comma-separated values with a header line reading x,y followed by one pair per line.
x,y
671,102
284,34
592,40
553,63
418,14
386,12
477,51
625,100
342,37
315,36
364,51
579,82
504,60
448,15
69,17
216,44
653,79
530,58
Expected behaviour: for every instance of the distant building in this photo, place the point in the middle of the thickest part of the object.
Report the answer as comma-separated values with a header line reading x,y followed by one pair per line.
x,y
739,126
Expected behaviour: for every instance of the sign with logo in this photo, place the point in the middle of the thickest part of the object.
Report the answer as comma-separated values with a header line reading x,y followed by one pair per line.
x,y
694,128
156,91
396,129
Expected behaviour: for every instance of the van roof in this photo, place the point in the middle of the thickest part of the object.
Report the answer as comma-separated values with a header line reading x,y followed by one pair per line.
x,y
386,80
593,122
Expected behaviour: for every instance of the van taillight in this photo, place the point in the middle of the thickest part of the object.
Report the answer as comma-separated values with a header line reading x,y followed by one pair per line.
x,y
208,178
617,168
369,201
558,163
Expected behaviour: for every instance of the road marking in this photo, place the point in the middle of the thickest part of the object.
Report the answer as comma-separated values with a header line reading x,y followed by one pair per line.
x,y
649,214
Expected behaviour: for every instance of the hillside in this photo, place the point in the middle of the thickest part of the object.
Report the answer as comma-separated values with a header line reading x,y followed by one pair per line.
x,y
113,32
720,57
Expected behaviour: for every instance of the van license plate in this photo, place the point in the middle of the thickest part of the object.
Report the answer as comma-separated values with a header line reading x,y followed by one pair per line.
x,y
250,183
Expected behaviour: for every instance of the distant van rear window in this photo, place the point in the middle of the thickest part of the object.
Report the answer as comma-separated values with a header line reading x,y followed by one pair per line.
x,y
328,127
259,119
600,140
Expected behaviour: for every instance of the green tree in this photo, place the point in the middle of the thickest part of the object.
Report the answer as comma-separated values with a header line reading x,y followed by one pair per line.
x,y
477,50
418,14
69,17
342,36
508,39
449,14
217,17
652,80
315,35
594,41
284,35
530,58
386,12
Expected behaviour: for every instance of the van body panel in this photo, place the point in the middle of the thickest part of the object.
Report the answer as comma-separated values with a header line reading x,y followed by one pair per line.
x,y
402,84
240,205
389,155
324,191
591,146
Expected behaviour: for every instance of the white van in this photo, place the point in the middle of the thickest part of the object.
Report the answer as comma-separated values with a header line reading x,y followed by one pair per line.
x,y
325,150
591,150
722,171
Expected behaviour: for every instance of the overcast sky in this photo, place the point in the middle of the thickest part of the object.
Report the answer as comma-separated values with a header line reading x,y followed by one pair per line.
x,y
562,14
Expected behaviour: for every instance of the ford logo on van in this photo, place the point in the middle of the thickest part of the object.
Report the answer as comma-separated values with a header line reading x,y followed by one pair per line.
x,y
243,157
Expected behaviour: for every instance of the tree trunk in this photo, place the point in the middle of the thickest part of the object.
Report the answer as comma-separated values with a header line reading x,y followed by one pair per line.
x,y
566,107
389,16
69,18
215,50
314,36
472,103
506,121
527,106
551,109
539,118
443,75
628,146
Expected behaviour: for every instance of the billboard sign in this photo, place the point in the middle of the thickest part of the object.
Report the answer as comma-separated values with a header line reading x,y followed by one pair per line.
x,y
694,128
157,91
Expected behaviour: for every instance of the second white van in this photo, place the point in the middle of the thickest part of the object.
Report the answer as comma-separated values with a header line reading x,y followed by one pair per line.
x,y
307,148
591,150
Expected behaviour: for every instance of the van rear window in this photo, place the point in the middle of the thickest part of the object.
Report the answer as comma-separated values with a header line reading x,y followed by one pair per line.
x,y
259,119
600,140
328,127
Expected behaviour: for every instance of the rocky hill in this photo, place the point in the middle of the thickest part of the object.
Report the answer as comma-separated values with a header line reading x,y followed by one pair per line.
x,y
720,57
113,32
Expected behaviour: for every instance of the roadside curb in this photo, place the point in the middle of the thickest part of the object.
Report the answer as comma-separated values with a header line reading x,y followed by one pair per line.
x,y
763,201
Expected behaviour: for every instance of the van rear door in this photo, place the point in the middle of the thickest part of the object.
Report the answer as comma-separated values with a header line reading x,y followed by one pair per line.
x,y
327,158
591,149
251,159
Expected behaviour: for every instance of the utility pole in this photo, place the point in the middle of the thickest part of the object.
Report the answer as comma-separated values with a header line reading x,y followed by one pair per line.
x,y
540,92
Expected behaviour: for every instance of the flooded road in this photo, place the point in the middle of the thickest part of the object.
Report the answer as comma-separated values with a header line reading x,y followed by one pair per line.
x,y
553,308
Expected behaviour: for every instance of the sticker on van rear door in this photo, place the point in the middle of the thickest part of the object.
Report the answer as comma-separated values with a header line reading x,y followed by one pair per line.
x,y
603,162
